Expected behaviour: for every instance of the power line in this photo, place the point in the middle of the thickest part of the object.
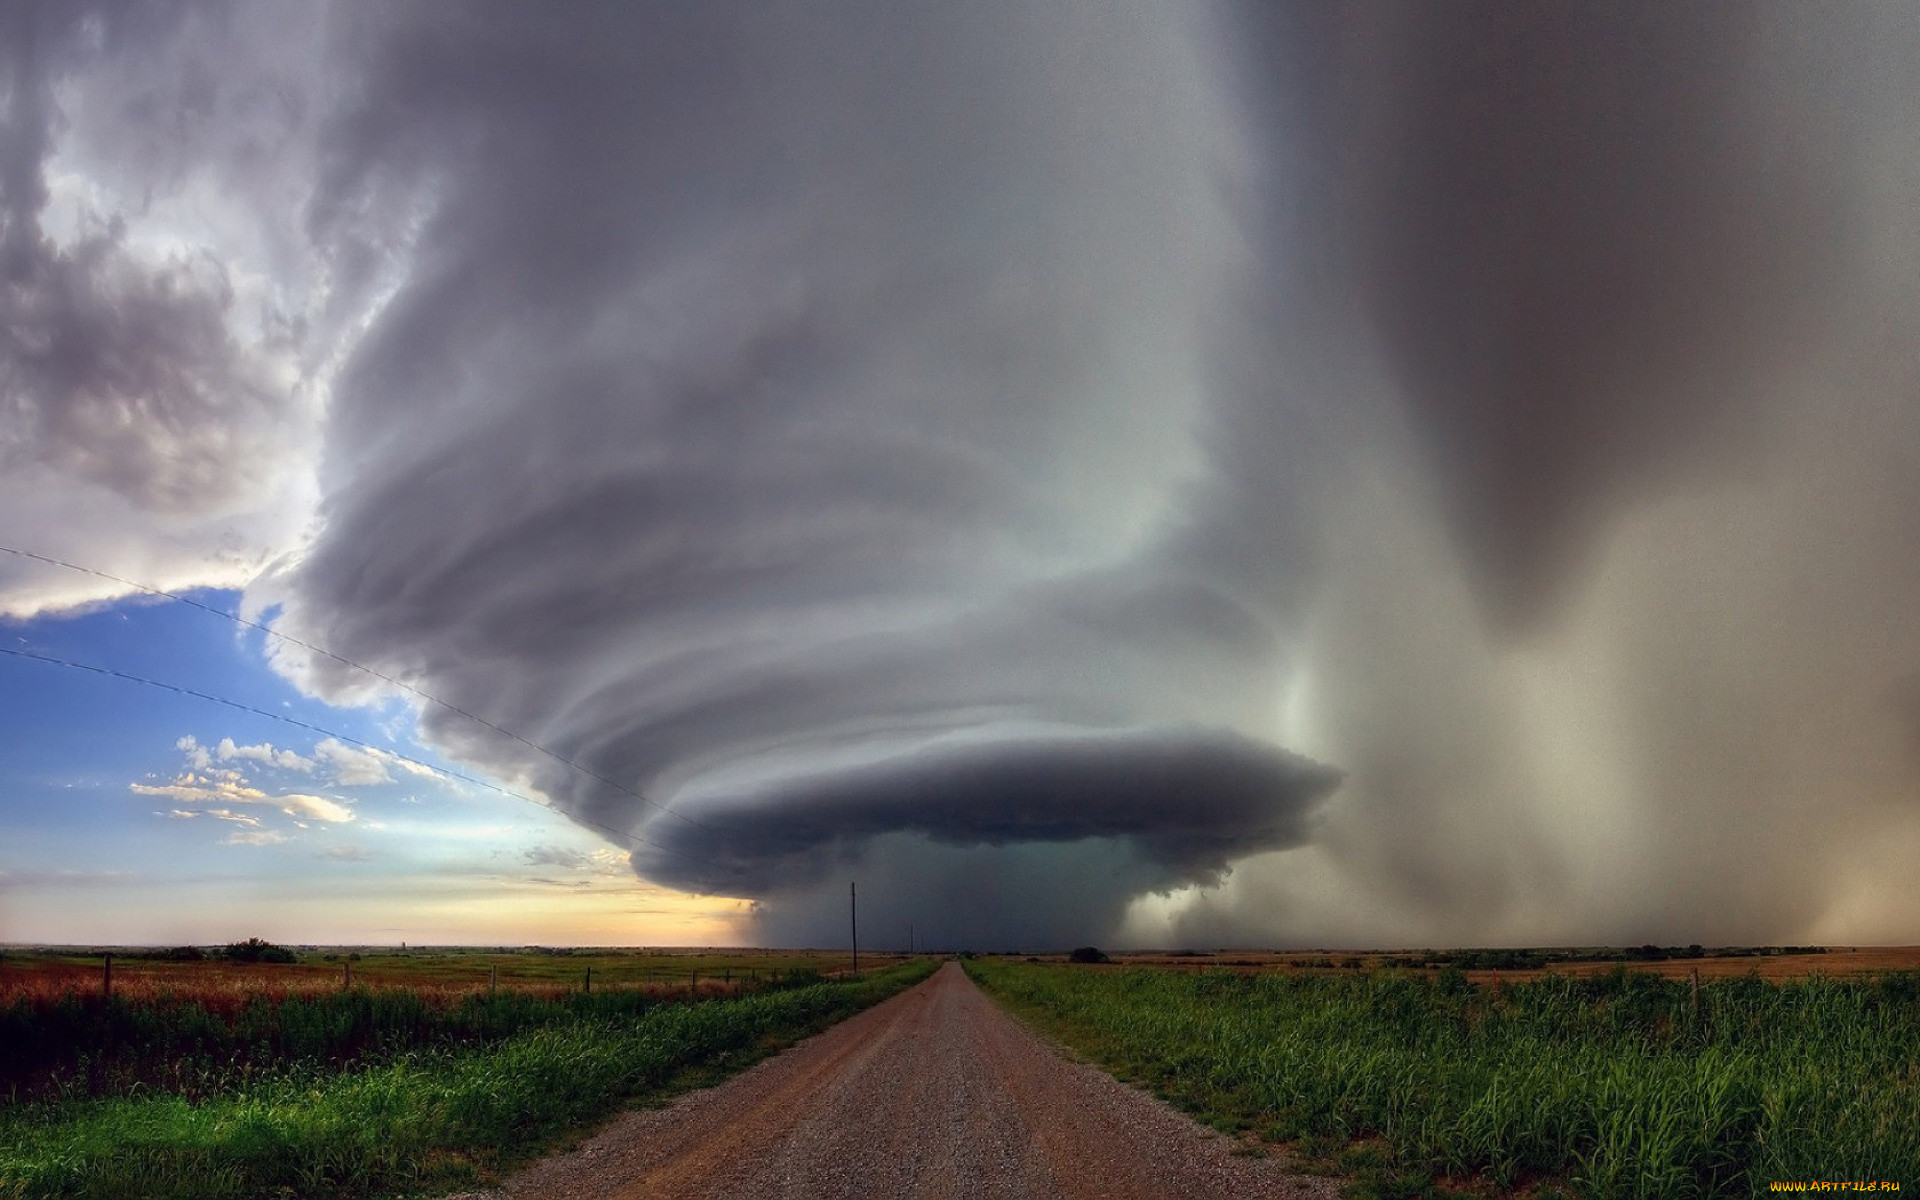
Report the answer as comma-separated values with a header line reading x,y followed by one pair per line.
x,y
382,676
377,751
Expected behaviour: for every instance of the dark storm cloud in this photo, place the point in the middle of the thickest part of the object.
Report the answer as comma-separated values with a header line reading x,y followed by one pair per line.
x,y
1188,802
1580,231
783,392
1609,310
770,400
870,429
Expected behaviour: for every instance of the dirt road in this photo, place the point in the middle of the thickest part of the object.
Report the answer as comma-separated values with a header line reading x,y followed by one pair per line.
x,y
935,1094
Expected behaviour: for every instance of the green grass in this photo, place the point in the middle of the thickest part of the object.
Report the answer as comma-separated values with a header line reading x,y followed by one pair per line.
x,y
82,1043
432,1120
1611,1087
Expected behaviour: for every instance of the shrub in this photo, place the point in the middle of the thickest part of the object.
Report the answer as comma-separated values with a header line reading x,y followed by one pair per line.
x,y
172,954
254,950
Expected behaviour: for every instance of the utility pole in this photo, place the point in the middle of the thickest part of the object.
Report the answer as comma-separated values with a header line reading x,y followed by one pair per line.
x,y
853,900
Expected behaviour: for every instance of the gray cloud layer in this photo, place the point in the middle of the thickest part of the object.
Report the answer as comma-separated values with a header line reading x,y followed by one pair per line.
x,y
961,444
153,414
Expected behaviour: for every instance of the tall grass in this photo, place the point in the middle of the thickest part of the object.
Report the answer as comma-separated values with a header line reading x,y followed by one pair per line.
x,y
1620,1086
202,1040
434,1118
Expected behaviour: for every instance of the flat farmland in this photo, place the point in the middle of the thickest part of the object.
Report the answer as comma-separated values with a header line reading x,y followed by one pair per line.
x,y
1601,1074
1837,962
361,1072
74,1024
1767,962
46,972
1588,1079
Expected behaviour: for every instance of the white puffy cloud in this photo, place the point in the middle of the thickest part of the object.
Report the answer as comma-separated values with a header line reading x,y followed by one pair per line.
x,y
197,755
317,807
230,788
262,753
350,766
202,789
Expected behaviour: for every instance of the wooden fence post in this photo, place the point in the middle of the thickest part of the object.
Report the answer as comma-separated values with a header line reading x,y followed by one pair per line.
x,y
106,977
346,975
589,980
493,978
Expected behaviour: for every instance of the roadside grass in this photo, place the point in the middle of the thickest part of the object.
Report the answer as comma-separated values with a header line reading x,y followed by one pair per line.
x,y
1613,1087
432,1120
219,1032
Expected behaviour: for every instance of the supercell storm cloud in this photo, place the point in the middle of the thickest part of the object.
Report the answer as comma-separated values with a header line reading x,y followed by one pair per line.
x,y
1163,472
789,393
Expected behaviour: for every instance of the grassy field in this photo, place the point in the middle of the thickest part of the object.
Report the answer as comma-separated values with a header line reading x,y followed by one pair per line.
x,y
1505,965
1616,1085
380,1089
457,968
193,1028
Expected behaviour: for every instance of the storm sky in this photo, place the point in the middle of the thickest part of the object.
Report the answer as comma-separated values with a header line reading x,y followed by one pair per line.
x,y
1198,474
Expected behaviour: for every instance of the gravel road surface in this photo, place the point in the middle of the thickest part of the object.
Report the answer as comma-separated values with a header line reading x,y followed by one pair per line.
x,y
935,1093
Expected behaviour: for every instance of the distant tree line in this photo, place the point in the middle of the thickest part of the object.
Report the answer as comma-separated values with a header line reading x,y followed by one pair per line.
x,y
253,950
